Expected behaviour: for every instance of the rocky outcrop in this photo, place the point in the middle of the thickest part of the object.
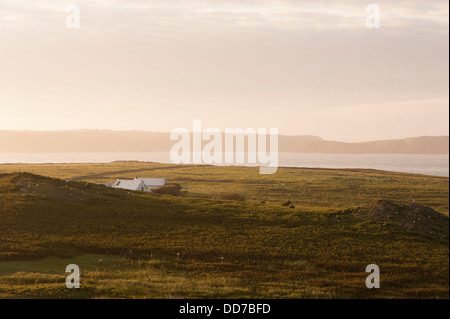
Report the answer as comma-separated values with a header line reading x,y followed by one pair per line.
x,y
413,217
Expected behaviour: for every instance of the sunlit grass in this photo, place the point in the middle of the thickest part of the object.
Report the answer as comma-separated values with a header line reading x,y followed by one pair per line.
x,y
198,246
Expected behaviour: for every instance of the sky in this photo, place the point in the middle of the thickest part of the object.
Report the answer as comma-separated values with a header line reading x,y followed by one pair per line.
x,y
304,67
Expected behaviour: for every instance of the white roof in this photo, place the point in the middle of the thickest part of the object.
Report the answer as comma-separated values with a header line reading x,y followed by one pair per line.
x,y
153,181
129,184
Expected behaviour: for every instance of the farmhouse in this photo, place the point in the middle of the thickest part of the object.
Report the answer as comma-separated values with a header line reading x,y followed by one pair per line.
x,y
140,184
152,183
133,185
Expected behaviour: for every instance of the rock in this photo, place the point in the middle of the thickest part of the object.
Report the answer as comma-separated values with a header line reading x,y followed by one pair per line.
x,y
414,217
288,203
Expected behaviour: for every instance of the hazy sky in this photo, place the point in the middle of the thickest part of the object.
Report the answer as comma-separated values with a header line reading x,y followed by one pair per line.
x,y
305,67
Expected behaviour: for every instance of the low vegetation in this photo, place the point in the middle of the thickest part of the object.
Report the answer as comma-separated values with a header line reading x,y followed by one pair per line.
x,y
195,246
169,189
232,196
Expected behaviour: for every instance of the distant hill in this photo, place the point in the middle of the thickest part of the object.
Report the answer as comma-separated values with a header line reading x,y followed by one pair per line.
x,y
141,141
413,145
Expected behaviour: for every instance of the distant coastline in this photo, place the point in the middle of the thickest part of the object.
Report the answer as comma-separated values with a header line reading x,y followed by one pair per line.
x,y
141,141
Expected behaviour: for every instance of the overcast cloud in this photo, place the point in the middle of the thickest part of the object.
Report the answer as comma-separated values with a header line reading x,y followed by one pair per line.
x,y
306,67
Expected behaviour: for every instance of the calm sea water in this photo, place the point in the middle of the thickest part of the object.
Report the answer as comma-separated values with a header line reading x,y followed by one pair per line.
x,y
418,164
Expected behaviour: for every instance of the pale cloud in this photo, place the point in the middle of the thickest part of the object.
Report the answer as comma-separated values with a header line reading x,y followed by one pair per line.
x,y
301,66
385,120
208,16
377,111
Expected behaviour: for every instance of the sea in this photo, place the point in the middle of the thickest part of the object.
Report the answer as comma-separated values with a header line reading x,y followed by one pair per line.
x,y
437,165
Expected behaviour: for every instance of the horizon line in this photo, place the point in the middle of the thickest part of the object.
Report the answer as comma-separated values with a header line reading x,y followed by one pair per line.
x,y
156,132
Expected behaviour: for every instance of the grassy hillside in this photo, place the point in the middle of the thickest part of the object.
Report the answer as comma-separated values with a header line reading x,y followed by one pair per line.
x,y
161,246
316,189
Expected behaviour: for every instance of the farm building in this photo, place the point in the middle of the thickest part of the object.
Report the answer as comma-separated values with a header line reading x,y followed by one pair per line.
x,y
152,183
133,185
140,184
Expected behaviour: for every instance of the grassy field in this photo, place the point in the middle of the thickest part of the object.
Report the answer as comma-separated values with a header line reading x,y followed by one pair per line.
x,y
197,246
316,189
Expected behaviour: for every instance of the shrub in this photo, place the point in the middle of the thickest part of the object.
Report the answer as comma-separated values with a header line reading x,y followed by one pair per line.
x,y
231,196
170,189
